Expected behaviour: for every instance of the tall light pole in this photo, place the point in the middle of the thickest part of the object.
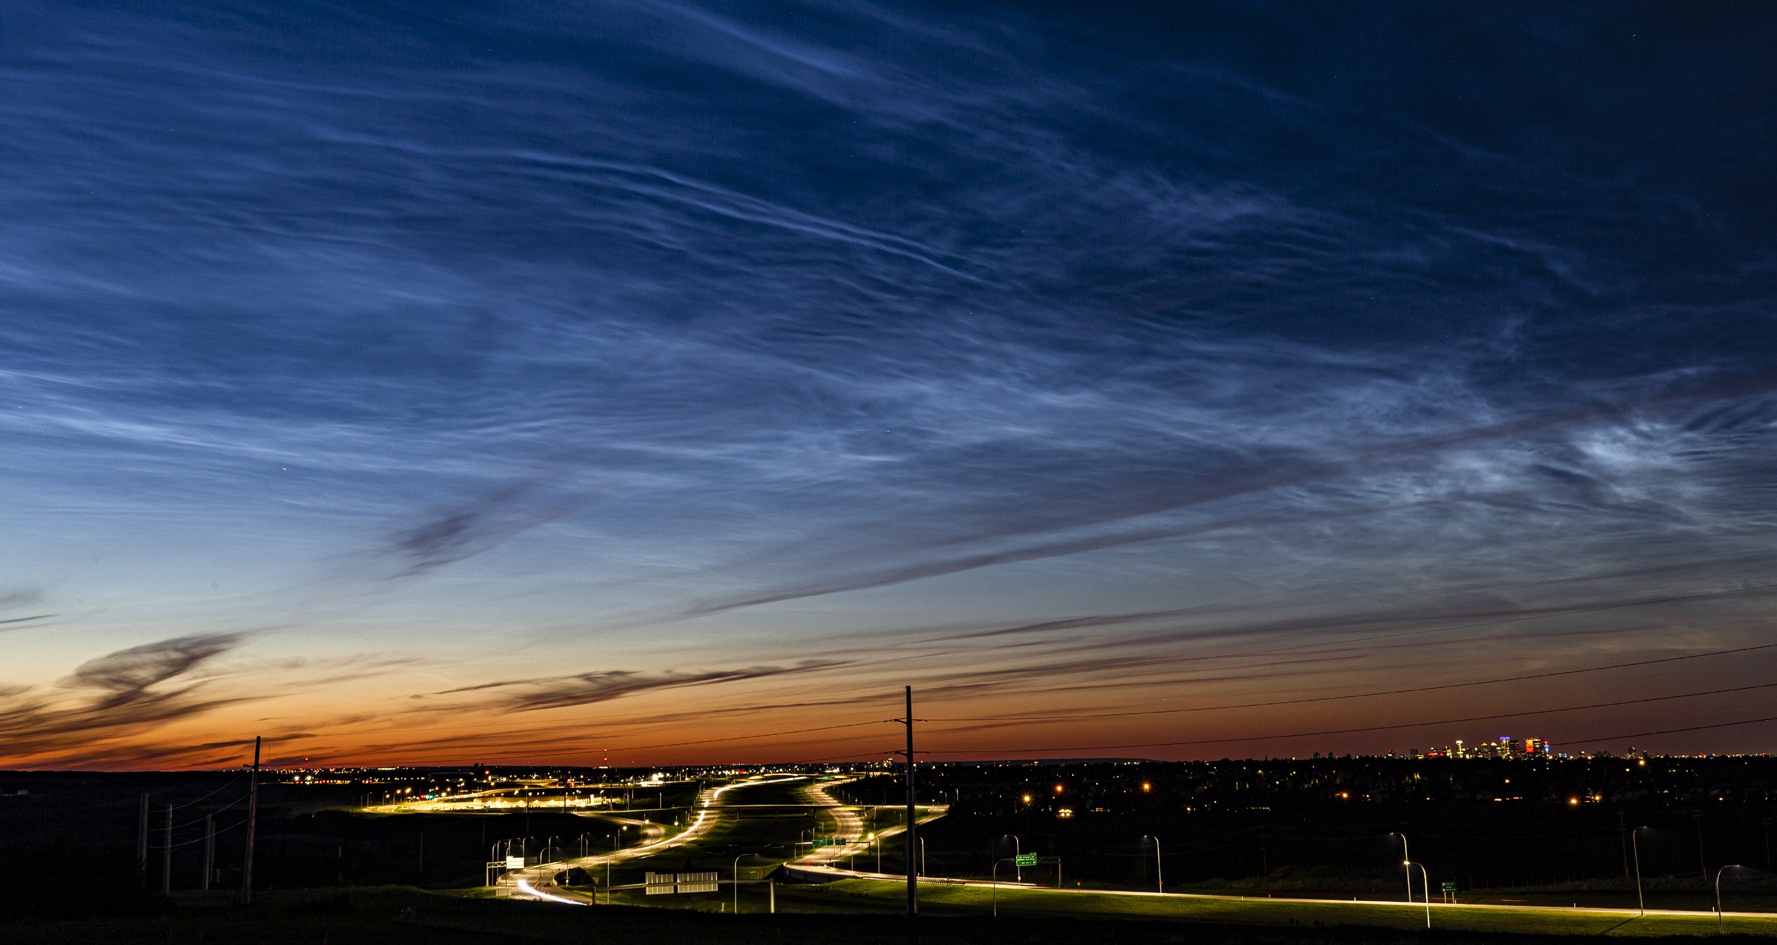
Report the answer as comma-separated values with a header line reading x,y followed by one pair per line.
x,y
996,885
1406,858
1424,881
1159,878
1635,845
1017,851
1718,894
737,880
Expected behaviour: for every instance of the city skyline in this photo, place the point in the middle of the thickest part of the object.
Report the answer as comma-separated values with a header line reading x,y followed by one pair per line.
x,y
663,384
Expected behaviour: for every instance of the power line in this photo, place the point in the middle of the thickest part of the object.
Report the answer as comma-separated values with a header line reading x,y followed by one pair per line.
x,y
1402,725
186,843
191,823
1489,623
1354,695
743,738
209,795
1671,731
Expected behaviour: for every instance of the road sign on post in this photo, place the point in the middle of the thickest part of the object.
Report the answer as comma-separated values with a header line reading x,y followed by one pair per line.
x,y
1025,859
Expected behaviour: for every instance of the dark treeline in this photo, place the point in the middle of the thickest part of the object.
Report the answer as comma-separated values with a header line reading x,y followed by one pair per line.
x,y
1336,824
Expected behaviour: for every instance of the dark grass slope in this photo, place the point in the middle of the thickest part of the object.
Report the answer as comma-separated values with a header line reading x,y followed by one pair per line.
x,y
397,916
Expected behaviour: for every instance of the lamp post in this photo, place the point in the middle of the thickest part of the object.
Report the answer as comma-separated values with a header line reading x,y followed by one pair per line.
x,y
1159,878
1635,845
996,885
1718,894
1424,881
1406,858
737,880
922,857
1017,851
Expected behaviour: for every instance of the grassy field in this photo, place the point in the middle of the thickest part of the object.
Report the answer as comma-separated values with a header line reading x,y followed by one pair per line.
x,y
938,899
398,916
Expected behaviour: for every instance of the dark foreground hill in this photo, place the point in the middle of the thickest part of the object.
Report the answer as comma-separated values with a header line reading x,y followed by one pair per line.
x,y
402,916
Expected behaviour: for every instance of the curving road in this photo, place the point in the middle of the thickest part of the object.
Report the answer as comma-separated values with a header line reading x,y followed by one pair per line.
x,y
533,882
528,882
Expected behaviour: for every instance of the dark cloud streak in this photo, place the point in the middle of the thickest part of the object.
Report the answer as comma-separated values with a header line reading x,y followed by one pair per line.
x,y
591,688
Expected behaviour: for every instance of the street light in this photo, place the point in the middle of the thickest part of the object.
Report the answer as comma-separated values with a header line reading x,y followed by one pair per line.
x,y
1424,881
1718,873
996,885
1406,858
1634,844
1017,851
737,879
1159,879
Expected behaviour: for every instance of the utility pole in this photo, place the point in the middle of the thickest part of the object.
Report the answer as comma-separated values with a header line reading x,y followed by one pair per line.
x,y
166,857
209,849
912,827
142,845
252,821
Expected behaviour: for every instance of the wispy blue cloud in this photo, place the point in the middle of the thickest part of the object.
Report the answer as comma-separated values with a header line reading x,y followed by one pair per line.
x,y
773,324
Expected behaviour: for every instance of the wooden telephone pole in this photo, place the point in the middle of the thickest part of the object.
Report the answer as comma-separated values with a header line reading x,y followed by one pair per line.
x,y
912,817
252,821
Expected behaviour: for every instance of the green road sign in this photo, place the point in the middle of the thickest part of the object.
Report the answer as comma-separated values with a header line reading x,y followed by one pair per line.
x,y
1026,859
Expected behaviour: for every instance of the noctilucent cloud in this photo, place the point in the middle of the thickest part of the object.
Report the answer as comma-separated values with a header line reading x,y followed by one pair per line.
x,y
661,382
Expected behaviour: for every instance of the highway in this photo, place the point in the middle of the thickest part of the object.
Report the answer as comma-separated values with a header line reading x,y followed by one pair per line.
x,y
528,882
847,823
832,863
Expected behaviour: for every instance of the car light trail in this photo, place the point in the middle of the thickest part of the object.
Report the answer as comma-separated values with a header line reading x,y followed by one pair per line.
x,y
524,886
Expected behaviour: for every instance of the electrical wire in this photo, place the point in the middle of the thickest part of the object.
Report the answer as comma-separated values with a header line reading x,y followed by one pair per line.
x,y
206,797
1347,641
231,806
186,843
743,738
1402,725
1355,695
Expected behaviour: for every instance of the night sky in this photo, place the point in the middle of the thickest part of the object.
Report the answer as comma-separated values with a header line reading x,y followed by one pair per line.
x,y
655,382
